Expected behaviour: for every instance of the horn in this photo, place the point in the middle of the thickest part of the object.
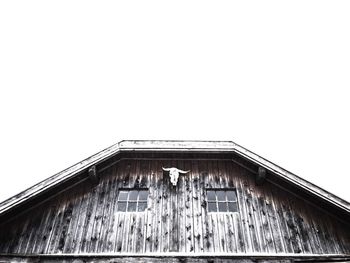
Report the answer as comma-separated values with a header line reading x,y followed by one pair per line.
x,y
183,172
166,169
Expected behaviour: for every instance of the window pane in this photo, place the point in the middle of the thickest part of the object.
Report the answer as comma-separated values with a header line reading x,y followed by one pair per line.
x,y
121,206
222,207
131,206
232,207
143,195
123,195
133,195
221,195
212,207
142,206
132,200
211,195
231,196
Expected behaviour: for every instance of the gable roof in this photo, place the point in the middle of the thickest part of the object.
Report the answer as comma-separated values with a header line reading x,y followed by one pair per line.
x,y
174,146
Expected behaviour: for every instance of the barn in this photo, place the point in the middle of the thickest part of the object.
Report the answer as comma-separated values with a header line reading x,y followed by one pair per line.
x,y
175,201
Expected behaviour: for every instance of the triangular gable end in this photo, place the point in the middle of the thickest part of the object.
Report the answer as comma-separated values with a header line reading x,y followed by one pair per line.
x,y
232,202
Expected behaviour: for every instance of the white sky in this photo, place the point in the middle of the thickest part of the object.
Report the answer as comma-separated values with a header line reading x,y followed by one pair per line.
x,y
79,76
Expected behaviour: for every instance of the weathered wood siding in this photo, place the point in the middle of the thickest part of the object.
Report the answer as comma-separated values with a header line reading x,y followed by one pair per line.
x,y
84,219
139,260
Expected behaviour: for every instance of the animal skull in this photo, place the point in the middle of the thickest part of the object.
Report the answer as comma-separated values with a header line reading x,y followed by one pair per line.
x,y
174,174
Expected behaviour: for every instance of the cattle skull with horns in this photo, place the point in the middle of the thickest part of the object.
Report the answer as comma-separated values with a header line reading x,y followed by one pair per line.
x,y
174,174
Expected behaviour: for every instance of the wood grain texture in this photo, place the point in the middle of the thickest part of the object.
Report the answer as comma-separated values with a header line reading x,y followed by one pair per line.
x,y
85,219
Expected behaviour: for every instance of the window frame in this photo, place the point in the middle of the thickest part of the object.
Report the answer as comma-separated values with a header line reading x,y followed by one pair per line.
x,y
226,201
127,201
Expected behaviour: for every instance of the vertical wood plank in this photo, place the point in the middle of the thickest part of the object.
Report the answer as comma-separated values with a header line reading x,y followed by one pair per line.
x,y
166,207
16,248
294,235
102,222
152,199
189,209
137,176
214,216
282,219
139,234
253,225
132,219
241,184
232,241
315,244
222,232
216,233
333,234
339,231
225,217
130,172
69,242
47,231
293,229
181,210
208,242
220,216
273,221
304,232
146,182
123,182
132,232
211,229
173,215
120,232
91,217
157,236
28,233
210,182
320,243
86,203
36,230
55,232
197,211
142,216
66,219
102,205
330,246
125,235
107,242
258,219
202,202
237,217
266,226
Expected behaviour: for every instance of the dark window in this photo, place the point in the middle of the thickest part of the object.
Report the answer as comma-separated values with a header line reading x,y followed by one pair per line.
x,y
223,200
132,200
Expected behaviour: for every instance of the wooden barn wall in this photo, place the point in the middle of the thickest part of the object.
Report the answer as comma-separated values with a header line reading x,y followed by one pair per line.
x,y
84,219
140,260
